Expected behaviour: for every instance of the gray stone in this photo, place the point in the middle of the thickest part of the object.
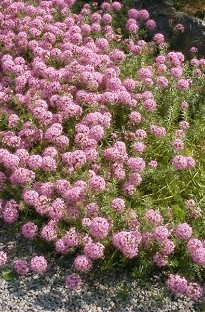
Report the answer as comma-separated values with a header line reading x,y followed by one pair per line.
x,y
165,15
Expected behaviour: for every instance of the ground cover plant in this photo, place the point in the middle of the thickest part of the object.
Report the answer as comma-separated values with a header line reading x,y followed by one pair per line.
x,y
102,142
196,8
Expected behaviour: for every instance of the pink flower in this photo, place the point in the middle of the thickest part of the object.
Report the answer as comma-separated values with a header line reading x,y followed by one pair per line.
x,y
150,105
127,243
99,227
132,28
118,204
194,244
30,197
82,263
34,162
86,222
134,179
48,164
29,230
190,203
117,55
148,82
183,231
38,264
162,82
157,131
94,250
184,125
180,133
147,239
178,144
145,72
160,233
135,49
13,120
116,6
10,215
133,13
183,84
158,38
150,24
179,27
143,14
168,247
3,258
180,162
190,162
160,59
97,183
136,164
176,72
153,216
177,284
102,44
92,209
21,267
73,281
57,209
160,259
49,231
105,6
193,50
153,164
130,84
198,255
139,147
194,291
106,18
194,62
21,176
128,188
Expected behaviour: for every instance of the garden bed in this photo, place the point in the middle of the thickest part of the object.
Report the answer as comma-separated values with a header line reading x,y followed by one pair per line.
x,y
101,153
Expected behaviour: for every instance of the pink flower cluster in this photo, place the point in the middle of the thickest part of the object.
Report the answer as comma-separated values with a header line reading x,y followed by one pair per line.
x,y
197,250
37,264
180,162
178,284
91,133
127,243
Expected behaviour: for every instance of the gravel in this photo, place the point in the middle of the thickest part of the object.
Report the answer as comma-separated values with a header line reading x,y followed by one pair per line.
x,y
113,291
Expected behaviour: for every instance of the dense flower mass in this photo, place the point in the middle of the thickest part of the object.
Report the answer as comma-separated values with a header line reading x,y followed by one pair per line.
x,y
100,154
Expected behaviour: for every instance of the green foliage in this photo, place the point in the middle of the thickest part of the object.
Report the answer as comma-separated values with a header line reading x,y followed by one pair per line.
x,y
8,274
3,121
196,8
10,191
123,290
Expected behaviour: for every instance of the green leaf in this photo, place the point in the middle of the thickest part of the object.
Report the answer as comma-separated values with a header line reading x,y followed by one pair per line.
x,y
8,274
